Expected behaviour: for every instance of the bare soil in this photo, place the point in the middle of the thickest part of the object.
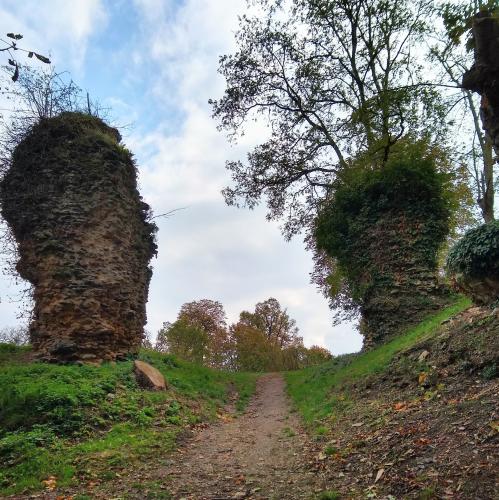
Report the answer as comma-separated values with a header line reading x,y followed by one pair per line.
x,y
259,455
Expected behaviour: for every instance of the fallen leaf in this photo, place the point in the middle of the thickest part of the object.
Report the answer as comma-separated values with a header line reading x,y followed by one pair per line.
x,y
422,441
423,356
400,406
50,483
378,475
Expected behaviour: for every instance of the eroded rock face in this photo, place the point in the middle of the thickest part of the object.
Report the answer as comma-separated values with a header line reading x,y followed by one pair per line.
x,y
483,77
84,241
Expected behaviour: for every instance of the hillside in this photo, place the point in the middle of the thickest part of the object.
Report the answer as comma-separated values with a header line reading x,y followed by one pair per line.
x,y
415,418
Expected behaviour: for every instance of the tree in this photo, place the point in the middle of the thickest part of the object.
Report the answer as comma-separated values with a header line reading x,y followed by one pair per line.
x,y
453,54
483,75
10,46
333,79
317,355
147,340
265,340
205,313
273,321
161,344
252,349
210,317
18,335
185,340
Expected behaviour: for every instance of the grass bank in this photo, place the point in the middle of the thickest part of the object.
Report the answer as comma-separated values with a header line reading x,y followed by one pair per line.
x,y
63,424
311,388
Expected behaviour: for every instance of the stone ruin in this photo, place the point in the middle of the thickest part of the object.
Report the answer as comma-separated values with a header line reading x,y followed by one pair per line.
x,y
84,239
403,287
483,77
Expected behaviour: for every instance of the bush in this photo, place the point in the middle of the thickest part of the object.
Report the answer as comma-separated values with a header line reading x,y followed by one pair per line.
x,y
476,255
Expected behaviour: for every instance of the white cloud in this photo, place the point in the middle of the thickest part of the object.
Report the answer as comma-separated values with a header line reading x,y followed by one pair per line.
x,y
58,27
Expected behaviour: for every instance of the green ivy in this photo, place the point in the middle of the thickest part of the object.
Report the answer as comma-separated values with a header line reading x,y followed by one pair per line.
x,y
476,255
409,187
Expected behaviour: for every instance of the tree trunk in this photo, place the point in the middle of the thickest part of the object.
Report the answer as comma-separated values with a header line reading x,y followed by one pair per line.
x,y
483,78
486,202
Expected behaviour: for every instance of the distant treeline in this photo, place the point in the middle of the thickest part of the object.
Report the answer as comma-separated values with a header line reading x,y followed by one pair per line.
x,y
264,340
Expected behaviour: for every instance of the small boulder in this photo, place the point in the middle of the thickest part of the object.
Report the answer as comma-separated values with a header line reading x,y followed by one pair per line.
x,y
148,376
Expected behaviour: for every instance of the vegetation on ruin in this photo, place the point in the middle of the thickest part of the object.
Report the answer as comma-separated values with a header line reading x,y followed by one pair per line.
x,y
476,254
410,185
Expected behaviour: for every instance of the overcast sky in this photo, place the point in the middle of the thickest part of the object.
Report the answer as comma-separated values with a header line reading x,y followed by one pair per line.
x,y
154,63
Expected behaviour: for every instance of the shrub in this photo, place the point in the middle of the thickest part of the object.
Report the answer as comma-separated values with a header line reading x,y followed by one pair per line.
x,y
476,255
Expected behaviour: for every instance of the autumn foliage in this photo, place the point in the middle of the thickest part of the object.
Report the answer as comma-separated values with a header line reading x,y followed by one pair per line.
x,y
263,340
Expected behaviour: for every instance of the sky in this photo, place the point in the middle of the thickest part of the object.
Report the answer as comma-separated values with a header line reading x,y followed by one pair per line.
x,y
153,63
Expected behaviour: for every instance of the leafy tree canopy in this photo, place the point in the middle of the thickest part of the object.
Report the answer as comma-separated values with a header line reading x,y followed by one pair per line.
x,y
333,79
185,340
273,321
209,315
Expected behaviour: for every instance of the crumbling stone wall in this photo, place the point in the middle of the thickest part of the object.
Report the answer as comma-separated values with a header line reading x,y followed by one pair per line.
x,y
84,240
401,287
483,77
385,228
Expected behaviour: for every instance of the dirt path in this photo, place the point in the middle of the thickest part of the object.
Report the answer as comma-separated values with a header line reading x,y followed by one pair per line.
x,y
259,455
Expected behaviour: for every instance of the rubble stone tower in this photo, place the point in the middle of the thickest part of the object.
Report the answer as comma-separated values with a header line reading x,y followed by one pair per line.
x,y
84,239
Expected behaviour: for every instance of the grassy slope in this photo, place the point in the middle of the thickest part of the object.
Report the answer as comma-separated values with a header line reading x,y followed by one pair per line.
x,y
310,389
90,423
415,418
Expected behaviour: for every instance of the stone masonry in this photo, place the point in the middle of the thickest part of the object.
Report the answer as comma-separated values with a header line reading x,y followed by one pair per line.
x,y
84,239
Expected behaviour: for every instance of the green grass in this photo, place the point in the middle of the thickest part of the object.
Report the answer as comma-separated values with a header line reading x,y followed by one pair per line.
x,y
311,388
329,495
74,422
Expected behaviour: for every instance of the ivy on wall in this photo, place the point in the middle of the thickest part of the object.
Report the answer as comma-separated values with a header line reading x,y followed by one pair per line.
x,y
385,227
